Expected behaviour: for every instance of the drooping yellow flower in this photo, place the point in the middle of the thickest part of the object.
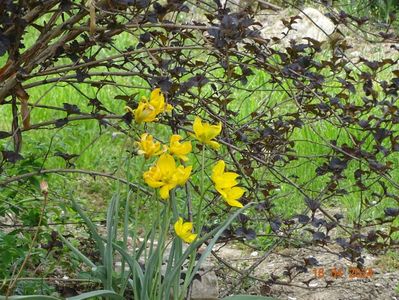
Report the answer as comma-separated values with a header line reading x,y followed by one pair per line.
x,y
148,147
205,132
184,230
225,184
166,176
179,149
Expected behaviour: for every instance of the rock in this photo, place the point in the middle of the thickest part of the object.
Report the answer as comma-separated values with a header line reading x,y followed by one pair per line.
x,y
313,24
207,288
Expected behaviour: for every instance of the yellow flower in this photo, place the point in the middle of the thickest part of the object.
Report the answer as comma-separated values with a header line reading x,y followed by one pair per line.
x,y
225,184
147,111
205,132
182,174
184,230
166,176
231,195
157,100
221,178
148,147
179,149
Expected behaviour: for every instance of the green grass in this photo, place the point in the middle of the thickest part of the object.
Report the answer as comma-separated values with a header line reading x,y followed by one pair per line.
x,y
103,149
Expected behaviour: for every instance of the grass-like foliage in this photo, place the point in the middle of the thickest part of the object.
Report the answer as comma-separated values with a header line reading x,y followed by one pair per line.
x,y
135,135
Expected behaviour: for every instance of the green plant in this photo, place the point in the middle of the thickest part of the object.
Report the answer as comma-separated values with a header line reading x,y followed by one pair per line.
x,y
145,276
380,10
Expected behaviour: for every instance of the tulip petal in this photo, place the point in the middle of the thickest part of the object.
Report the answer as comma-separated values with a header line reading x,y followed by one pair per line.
x,y
190,238
218,169
197,126
182,174
166,164
235,193
164,191
234,203
187,227
178,225
214,145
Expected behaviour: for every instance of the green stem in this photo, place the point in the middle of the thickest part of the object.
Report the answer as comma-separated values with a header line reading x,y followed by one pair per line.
x,y
199,223
176,248
202,191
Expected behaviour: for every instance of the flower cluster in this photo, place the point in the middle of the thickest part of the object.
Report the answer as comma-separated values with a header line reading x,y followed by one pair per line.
x,y
165,174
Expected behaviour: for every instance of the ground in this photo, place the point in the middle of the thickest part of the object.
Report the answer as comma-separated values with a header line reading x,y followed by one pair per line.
x,y
382,283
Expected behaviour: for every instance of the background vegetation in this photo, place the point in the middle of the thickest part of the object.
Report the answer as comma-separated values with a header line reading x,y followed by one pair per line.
x,y
312,133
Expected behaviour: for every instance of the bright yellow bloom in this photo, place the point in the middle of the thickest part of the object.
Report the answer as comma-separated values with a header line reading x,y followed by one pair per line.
x,y
157,100
166,176
179,149
225,184
231,195
184,230
221,178
148,147
205,132
147,111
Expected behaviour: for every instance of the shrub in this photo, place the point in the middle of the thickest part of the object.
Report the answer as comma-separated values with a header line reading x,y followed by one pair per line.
x,y
303,126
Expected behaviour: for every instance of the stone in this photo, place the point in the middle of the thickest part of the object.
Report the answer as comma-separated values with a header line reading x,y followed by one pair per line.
x,y
313,24
207,288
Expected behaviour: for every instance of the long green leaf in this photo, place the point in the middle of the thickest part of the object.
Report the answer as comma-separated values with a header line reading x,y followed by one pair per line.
x,y
92,228
100,293
125,279
29,297
112,221
134,267
82,257
208,249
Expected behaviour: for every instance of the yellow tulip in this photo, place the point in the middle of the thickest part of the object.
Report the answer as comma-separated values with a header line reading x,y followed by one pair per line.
x,y
145,112
205,132
148,147
184,230
221,178
182,174
157,100
166,176
231,195
179,149
225,184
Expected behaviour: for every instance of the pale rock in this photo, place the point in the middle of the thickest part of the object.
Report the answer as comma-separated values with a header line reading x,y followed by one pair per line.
x,y
313,24
207,288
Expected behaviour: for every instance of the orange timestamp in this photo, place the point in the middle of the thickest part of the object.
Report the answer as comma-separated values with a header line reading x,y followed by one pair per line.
x,y
339,272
